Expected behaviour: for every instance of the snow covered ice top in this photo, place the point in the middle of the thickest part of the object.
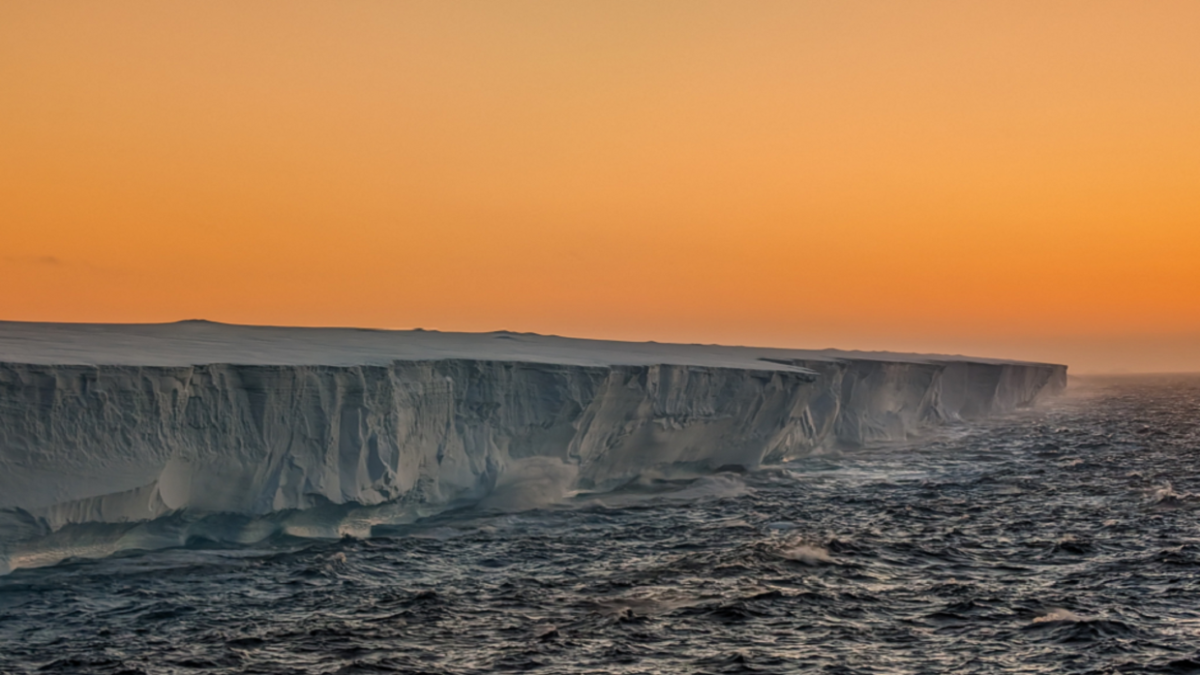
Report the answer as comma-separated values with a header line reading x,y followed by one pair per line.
x,y
205,342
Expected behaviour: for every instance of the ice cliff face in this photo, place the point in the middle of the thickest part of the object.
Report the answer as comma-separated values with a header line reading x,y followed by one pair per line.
x,y
115,443
890,400
123,444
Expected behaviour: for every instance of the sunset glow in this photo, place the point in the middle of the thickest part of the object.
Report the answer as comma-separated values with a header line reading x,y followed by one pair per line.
x,y
1017,179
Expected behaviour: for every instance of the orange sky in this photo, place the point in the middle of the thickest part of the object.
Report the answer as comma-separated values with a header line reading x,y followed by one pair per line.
x,y
1002,178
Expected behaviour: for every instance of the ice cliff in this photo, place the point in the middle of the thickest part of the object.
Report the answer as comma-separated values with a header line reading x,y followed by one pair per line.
x,y
132,424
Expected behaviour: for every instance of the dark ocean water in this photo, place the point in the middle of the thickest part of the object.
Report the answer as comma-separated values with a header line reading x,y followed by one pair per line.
x,y
1060,540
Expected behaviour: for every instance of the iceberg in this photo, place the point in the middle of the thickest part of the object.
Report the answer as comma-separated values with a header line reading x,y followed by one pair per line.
x,y
137,436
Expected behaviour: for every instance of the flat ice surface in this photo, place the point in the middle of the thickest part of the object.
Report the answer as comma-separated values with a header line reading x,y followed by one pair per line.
x,y
203,342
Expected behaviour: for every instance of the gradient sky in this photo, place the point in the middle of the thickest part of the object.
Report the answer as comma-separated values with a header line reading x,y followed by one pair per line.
x,y
1009,178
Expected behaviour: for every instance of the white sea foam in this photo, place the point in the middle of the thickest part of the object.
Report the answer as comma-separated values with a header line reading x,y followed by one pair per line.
x,y
1058,614
807,554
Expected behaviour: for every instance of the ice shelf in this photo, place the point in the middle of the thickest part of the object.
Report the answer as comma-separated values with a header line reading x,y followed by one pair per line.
x,y
133,423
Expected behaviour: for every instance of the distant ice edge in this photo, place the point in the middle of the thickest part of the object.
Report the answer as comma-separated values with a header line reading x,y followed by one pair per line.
x,y
123,445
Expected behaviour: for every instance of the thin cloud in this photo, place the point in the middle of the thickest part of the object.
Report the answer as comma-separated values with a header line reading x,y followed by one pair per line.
x,y
47,260
50,262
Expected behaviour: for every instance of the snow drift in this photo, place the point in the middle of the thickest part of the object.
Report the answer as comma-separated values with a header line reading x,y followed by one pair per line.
x,y
198,423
